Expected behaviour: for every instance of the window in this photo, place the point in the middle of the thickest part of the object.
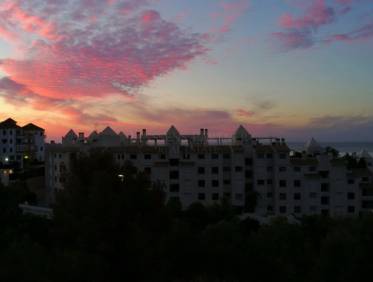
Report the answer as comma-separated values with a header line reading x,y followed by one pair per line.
x,y
238,168
215,196
260,156
227,195
269,195
297,196
325,212
297,209
297,169
269,156
297,183
174,187
313,195
269,181
312,168
325,187
282,196
174,162
351,209
227,181
147,157
248,161
282,183
248,186
238,196
215,183
227,169
350,196
148,170
282,156
133,157
269,168
282,209
215,170
186,156
201,196
226,156
248,173
260,181
174,174
351,181
201,156
269,208
162,156
201,183
325,200
282,169
214,156
201,170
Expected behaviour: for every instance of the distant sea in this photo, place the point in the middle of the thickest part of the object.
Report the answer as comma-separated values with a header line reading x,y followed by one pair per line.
x,y
342,147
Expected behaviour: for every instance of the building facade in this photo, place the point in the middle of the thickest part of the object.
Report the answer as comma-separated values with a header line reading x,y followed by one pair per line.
x,y
246,171
19,146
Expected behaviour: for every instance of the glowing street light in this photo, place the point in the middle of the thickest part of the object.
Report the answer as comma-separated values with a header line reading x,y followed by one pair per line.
x,y
121,177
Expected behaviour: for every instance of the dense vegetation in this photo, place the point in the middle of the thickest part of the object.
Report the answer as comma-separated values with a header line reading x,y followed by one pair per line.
x,y
106,229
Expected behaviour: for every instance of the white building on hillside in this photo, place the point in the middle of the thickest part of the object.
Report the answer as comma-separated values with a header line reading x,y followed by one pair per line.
x,y
198,168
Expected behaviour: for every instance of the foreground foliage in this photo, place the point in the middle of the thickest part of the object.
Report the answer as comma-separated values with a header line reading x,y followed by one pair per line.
x,y
106,229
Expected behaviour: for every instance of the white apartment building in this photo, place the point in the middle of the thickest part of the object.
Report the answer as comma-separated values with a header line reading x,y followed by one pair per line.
x,y
198,168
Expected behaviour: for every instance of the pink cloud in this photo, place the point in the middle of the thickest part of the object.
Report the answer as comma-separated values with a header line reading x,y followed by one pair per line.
x,y
362,33
294,39
316,15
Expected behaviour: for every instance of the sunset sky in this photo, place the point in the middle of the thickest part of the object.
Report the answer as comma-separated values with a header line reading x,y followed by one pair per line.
x,y
290,68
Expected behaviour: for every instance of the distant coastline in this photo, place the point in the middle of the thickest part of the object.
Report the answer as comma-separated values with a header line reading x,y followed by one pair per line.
x,y
342,147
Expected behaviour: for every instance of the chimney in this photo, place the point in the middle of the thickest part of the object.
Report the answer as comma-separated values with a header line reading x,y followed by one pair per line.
x,y
138,136
144,132
201,131
206,132
81,137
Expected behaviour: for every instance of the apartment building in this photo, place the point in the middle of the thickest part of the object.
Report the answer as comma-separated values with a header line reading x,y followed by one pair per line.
x,y
19,146
199,168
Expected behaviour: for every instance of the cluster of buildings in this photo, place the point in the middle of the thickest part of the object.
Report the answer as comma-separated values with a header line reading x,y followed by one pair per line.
x,y
243,170
21,148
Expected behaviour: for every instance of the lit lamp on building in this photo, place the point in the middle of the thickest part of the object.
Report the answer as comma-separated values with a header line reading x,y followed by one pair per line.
x,y
121,177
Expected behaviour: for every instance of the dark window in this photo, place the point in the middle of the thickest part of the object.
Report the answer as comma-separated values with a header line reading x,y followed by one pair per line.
x,y
297,183
174,174
312,168
238,168
248,161
269,195
201,170
282,196
226,168
201,183
282,156
186,156
174,162
260,181
282,183
325,187
324,174
133,157
227,181
238,196
269,168
269,156
215,196
325,200
313,195
351,209
282,209
260,155
325,212
4,150
282,169
215,170
174,187
248,186
248,173
148,170
297,209
226,156
162,156
297,196
215,183
269,181
351,181
201,156
227,195
297,169
351,196
201,196
147,157
214,156
270,208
